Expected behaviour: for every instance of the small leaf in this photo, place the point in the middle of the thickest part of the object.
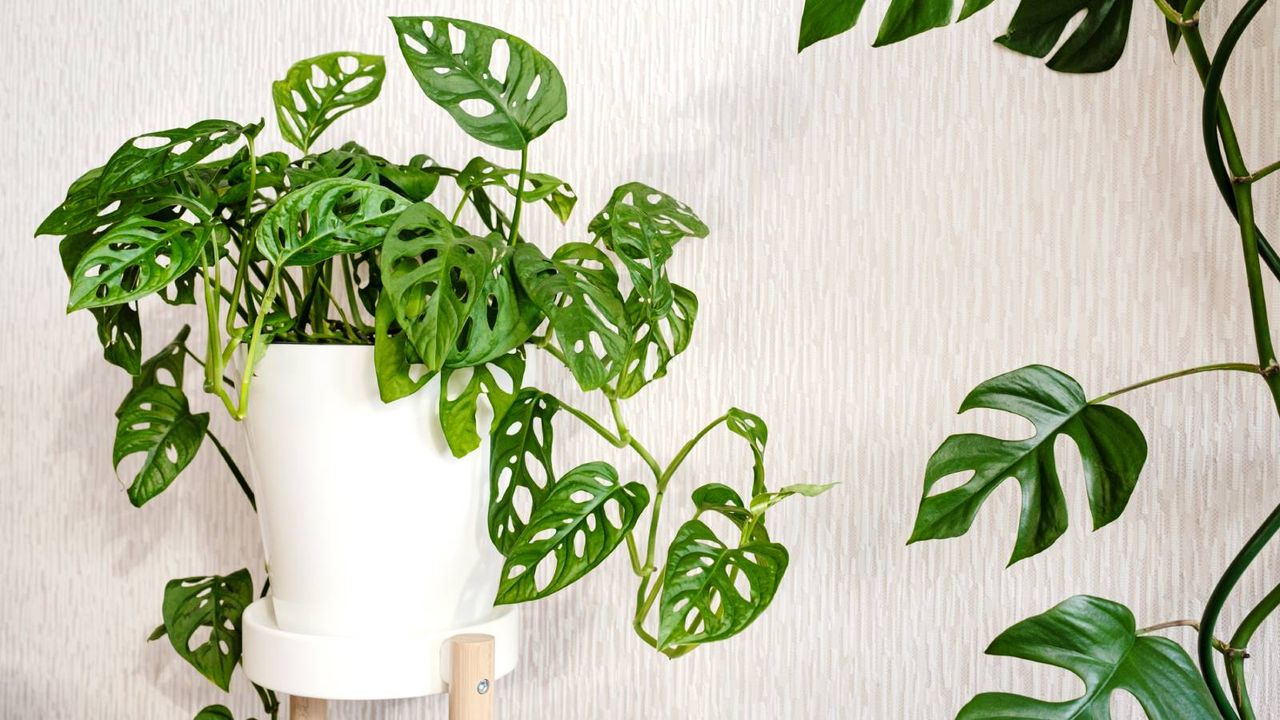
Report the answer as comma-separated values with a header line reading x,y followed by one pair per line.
x,y
330,217
906,18
319,90
416,179
433,273
520,464
760,504
1094,46
754,430
711,591
577,289
215,712
213,602
156,422
501,320
570,528
1097,640
165,368
654,343
119,327
134,259
1110,443
155,155
458,413
824,19
723,500
554,192
506,107
392,363
158,633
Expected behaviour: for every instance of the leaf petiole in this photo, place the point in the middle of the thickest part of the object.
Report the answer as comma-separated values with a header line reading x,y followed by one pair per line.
x,y
1229,366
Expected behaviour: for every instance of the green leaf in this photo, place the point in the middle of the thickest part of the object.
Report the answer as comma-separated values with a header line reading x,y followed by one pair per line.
x,y
319,90
215,712
155,155
119,327
330,217
501,320
1172,30
723,500
711,591
641,226
1110,443
213,602
520,470
760,504
157,423
1096,44
1097,640
392,360
824,19
571,530
165,368
653,342
158,633
416,179
506,107
753,429
555,192
433,273
906,18
577,289
134,259
458,412
83,211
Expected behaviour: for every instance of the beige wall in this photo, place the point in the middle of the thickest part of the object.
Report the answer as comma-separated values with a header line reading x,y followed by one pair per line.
x,y
889,228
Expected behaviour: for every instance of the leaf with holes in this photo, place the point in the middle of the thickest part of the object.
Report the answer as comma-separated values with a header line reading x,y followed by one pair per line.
x,y
655,342
1094,46
1110,444
351,161
574,527
165,368
500,321
433,273
642,226
157,423
134,259
319,90
577,289
1097,640
416,179
155,155
459,65
458,412
723,500
330,217
83,211
711,591
754,430
520,470
215,602
119,327
393,358
553,191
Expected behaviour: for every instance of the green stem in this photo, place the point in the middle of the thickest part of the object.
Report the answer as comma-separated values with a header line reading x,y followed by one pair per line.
x,y
1257,175
1240,642
255,337
515,214
246,235
352,298
235,470
664,477
1235,366
457,212
594,424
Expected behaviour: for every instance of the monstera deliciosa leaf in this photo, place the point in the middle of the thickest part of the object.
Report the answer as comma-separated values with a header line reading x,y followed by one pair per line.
x,y
520,464
319,90
330,217
573,528
1110,444
215,603
505,104
134,259
1097,640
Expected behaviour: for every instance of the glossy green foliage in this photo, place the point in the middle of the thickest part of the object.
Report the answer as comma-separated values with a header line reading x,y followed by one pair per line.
x,y
414,181
553,191
572,528
520,469
501,320
654,342
119,326
135,259
497,381
824,19
1111,446
319,90
724,501
1097,640
393,358
752,428
711,590
146,158
327,218
213,604
215,712
506,105
157,423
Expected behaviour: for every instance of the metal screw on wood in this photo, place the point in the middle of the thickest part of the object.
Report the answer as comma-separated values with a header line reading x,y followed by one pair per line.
x,y
483,686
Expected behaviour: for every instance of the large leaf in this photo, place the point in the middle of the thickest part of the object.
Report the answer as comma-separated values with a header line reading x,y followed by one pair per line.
x,y
555,192
520,470
1095,45
641,226
330,217
499,381
1097,640
319,90
433,273
577,288
1110,443
134,259
501,320
504,105
393,358
572,530
824,19
654,343
214,602
149,157
83,211
157,423
711,591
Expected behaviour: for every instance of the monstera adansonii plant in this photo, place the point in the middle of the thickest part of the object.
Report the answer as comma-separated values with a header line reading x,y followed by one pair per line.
x,y
1096,639
428,264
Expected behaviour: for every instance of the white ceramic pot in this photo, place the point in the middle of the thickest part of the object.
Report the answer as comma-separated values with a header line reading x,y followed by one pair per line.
x,y
370,525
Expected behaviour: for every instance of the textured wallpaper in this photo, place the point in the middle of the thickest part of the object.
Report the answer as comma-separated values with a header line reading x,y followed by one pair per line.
x,y
889,227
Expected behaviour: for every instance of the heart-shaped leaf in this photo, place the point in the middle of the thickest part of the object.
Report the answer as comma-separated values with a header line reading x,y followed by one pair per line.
x,y
577,289
319,90
157,423
1110,443
217,603
499,381
572,529
711,591
653,342
433,273
1096,44
134,259
824,19
1097,640
330,217
393,356
641,226
155,155
505,104
555,192
753,429
520,470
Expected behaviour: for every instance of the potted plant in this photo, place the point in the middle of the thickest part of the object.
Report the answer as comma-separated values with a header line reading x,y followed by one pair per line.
x,y
371,320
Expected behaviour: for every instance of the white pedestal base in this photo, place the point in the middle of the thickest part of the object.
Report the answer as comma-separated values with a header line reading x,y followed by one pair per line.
x,y
382,667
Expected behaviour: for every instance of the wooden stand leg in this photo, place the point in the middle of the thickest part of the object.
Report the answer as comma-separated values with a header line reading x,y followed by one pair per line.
x,y
305,708
471,684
